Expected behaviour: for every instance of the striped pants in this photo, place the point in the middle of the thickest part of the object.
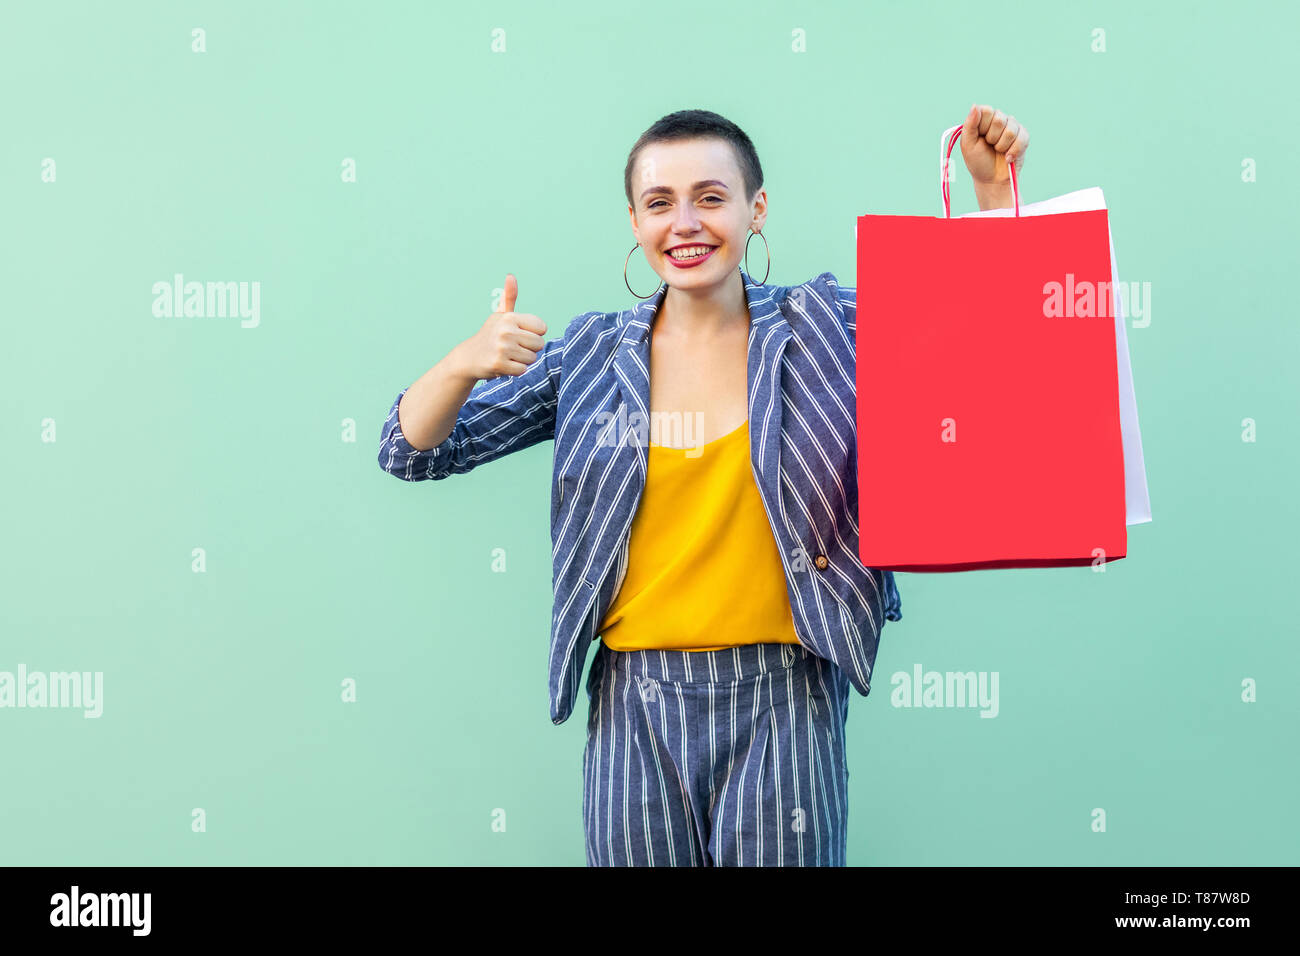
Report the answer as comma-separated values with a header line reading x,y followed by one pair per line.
x,y
716,758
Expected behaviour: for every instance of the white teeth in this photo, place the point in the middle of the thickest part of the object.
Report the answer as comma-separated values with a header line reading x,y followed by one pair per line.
x,y
691,252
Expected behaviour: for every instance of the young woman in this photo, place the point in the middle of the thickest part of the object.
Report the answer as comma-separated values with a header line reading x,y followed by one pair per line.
x,y
704,511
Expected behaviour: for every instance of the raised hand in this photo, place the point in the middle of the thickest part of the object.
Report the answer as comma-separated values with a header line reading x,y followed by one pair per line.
x,y
989,138
507,343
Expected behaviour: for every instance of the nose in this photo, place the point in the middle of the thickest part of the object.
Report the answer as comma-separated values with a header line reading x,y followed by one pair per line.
x,y
685,221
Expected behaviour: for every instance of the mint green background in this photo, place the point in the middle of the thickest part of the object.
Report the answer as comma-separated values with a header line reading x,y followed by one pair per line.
x,y
1118,690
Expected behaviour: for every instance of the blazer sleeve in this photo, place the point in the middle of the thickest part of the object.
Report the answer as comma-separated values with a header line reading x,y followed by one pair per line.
x,y
848,297
500,415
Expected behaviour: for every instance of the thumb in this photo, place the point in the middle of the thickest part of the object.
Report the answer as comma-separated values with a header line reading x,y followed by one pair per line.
x,y
970,128
511,293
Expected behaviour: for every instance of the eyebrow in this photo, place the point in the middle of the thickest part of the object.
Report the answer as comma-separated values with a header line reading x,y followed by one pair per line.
x,y
702,182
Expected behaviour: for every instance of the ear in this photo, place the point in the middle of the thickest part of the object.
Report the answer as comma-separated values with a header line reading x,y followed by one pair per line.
x,y
760,211
631,214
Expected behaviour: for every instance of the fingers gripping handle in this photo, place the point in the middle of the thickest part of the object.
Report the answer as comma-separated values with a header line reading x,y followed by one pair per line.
x,y
946,143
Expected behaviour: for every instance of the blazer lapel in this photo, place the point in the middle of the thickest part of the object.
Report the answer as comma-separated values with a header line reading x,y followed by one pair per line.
x,y
769,331
632,366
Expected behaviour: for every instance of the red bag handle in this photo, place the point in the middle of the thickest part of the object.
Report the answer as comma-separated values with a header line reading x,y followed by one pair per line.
x,y
946,143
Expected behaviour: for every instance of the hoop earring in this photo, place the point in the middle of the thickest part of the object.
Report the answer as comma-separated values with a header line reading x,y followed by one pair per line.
x,y
752,234
625,282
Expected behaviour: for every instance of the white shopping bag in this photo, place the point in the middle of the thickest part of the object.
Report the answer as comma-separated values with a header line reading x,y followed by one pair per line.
x,y
1136,499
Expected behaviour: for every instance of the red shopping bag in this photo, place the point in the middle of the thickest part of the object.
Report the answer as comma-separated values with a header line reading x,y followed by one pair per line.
x,y
987,391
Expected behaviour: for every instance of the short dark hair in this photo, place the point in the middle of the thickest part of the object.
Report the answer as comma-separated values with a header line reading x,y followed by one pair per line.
x,y
693,124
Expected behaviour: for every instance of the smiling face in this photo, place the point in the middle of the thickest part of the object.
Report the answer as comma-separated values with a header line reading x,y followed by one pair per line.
x,y
689,197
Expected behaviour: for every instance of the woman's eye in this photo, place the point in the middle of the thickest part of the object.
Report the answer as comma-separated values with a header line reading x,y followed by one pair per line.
x,y
659,201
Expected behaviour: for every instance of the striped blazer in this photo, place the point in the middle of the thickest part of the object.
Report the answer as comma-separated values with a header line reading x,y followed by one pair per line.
x,y
589,391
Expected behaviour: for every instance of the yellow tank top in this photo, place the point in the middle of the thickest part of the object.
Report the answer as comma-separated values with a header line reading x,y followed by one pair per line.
x,y
703,570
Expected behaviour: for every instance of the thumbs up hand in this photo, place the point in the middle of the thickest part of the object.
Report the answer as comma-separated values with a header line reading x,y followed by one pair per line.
x,y
507,343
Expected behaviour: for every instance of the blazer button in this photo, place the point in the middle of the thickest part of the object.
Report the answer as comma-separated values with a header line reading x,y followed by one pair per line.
x,y
821,562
